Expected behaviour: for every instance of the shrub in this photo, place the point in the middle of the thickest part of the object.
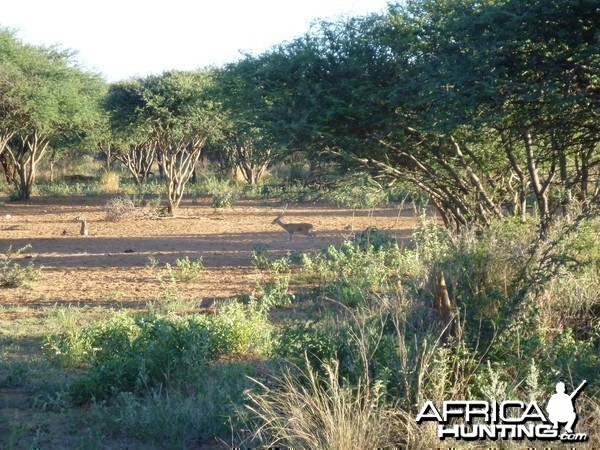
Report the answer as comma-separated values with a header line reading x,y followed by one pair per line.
x,y
260,255
120,208
13,275
307,341
224,193
201,408
223,199
124,208
276,293
184,270
134,353
376,238
355,271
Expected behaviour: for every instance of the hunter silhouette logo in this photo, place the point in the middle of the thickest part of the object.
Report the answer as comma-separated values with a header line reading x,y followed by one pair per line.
x,y
510,419
560,407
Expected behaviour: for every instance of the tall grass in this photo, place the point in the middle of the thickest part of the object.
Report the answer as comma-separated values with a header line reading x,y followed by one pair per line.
x,y
308,410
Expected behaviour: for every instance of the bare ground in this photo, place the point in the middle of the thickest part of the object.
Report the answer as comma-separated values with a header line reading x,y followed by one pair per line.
x,y
110,266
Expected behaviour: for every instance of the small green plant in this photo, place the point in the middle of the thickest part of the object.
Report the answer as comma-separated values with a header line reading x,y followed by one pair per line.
x,y
169,299
223,199
13,275
184,270
280,265
188,270
262,260
276,293
260,255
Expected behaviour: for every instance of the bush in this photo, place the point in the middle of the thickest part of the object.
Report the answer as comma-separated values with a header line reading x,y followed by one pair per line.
x,y
134,353
201,408
224,193
356,271
124,208
13,275
260,255
223,199
375,238
184,270
276,293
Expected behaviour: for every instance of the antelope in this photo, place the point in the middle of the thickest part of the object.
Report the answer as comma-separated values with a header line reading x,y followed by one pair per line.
x,y
291,228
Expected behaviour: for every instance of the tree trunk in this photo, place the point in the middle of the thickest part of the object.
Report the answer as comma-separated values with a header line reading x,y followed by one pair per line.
x,y
521,199
540,190
138,159
178,161
10,171
25,158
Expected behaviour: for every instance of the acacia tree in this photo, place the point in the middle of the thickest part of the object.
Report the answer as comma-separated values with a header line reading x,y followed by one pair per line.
x,y
174,114
249,139
462,99
522,75
45,97
128,132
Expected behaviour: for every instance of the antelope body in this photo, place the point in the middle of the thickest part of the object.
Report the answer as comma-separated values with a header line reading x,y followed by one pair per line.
x,y
291,228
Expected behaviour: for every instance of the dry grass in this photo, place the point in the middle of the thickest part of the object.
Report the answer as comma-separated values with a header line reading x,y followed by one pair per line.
x,y
110,182
309,411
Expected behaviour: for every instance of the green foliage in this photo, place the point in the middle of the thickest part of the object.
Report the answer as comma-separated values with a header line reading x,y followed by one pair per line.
x,y
431,241
276,293
224,193
260,255
358,191
184,270
134,353
310,342
262,260
46,100
13,274
205,406
223,200
172,114
357,270
375,238
393,318
447,96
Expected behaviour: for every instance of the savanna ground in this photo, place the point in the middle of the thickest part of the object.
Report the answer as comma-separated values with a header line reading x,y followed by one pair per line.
x,y
85,278
212,330
110,267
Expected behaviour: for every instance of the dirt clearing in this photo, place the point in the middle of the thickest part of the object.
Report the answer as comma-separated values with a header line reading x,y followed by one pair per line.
x,y
113,264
